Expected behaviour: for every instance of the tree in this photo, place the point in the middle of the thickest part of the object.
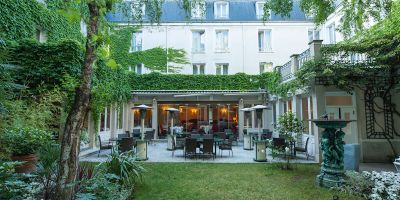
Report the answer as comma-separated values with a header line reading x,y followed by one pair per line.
x,y
70,139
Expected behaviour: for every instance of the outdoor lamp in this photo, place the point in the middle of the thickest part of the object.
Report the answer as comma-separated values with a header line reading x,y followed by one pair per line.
x,y
247,142
142,144
142,109
261,155
171,136
274,97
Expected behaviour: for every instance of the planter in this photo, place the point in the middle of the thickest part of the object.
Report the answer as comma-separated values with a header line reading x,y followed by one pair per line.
x,y
29,165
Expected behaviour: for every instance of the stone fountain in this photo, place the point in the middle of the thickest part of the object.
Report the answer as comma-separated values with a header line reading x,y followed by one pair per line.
x,y
332,145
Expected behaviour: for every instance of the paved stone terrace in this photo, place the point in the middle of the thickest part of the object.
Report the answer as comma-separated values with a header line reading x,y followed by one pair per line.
x,y
157,152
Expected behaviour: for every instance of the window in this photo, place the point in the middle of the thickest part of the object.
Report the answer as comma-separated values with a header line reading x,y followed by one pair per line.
x,y
222,41
83,28
264,40
41,35
332,34
260,10
138,69
198,10
198,68
313,35
136,42
222,69
221,10
265,67
198,41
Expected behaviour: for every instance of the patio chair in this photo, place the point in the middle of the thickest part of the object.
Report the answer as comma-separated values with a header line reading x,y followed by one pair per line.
x,y
149,136
177,145
128,134
190,147
208,145
136,133
226,146
120,136
103,145
301,149
126,144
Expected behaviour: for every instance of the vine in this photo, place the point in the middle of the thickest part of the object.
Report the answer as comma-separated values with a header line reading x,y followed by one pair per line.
x,y
20,19
154,59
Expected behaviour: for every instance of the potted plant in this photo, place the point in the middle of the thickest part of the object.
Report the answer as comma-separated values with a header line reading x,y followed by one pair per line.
x,y
23,143
289,126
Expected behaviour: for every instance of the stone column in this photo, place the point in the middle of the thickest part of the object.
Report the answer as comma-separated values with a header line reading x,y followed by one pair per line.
x,y
241,119
113,120
318,110
91,130
315,48
130,116
295,63
310,124
154,118
105,119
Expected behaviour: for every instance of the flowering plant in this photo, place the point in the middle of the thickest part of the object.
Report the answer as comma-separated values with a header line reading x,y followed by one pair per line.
x,y
373,185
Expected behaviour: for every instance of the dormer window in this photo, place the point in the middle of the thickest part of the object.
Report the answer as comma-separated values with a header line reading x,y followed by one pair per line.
x,y
260,10
221,10
198,10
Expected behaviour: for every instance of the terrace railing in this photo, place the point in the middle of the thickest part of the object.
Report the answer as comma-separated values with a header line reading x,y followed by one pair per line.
x,y
286,71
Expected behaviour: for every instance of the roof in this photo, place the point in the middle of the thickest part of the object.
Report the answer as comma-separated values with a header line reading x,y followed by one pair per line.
x,y
239,11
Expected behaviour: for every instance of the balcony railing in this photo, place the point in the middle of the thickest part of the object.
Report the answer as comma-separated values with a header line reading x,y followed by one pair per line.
x,y
304,57
286,71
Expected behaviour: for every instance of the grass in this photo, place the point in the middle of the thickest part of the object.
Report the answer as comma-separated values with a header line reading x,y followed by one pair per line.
x,y
231,181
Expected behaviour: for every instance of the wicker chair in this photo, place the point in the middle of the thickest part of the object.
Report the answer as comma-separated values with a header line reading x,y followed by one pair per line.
x,y
190,147
208,145
226,146
126,144
103,145
301,149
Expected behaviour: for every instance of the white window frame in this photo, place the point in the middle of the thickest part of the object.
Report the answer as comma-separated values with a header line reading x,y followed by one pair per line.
x,y
221,46
263,66
332,33
134,42
198,48
266,45
218,10
316,34
41,35
198,10
198,67
221,68
136,69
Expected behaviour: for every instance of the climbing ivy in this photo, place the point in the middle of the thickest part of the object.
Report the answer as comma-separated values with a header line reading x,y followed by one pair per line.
x,y
20,19
154,59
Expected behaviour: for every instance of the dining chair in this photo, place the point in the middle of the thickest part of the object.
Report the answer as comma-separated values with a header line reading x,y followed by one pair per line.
x,y
302,149
208,145
226,146
126,144
190,147
103,145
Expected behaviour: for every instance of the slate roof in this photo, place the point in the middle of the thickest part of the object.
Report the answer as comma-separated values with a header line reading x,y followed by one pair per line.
x,y
239,11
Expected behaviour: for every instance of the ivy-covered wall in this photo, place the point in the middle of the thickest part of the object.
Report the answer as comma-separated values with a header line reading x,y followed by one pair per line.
x,y
239,81
154,59
19,19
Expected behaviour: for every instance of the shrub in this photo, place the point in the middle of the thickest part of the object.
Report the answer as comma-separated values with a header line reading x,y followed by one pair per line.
x,y
24,141
373,185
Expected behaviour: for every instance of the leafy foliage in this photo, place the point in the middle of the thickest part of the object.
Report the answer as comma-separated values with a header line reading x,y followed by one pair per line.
x,y
20,19
24,141
154,59
289,126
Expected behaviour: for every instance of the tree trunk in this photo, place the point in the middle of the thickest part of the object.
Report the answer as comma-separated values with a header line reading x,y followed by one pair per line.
x,y
69,161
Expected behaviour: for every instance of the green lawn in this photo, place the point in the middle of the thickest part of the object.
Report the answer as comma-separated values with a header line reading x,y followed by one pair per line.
x,y
230,181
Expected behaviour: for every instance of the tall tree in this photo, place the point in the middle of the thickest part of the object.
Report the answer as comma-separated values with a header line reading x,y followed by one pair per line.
x,y
70,139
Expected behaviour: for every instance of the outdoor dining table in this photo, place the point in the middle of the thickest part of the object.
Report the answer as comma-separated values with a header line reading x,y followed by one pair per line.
x,y
217,141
